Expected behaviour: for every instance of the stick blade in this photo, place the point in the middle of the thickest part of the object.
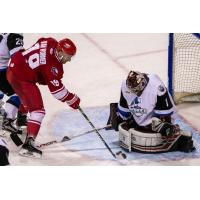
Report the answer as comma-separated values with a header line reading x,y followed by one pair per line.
x,y
120,155
65,138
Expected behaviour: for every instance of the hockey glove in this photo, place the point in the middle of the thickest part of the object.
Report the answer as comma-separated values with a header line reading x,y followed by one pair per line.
x,y
176,128
73,101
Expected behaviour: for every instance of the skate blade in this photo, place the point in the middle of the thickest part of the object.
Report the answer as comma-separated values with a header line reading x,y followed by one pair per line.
x,y
26,153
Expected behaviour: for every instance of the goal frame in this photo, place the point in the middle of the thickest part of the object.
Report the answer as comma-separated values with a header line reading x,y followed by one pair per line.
x,y
171,61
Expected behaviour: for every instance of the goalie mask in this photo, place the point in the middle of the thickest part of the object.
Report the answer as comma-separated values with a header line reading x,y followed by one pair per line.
x,y
136,82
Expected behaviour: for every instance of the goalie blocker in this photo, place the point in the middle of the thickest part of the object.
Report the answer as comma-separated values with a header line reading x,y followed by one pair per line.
x,y
145,141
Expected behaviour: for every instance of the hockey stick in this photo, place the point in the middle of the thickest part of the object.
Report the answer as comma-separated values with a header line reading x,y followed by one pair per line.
x,y
66,138
91,131
13,136
118,154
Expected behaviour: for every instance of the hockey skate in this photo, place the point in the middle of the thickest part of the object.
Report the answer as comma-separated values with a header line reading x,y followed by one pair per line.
x,y
29,150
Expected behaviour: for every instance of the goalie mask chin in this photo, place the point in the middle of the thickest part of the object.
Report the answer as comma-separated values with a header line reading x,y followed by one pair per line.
x,y
136,82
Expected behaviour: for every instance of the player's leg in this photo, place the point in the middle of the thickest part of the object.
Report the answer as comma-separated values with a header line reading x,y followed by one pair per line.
x,y
34,104
11,105
32,100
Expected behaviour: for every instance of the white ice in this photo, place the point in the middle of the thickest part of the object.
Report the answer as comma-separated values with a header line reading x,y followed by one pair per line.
x,y
95,74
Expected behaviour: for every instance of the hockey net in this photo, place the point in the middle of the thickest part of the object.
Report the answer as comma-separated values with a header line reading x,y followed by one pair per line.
x,y
184,67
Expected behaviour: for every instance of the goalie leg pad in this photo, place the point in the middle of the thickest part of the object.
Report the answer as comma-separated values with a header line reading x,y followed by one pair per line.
x,y
145,139
151,142
124,138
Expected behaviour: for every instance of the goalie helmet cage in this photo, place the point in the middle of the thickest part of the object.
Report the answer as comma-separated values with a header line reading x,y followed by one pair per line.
x,y
184,67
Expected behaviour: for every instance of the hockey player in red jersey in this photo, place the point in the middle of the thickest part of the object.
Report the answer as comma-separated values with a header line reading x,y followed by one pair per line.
x,y
42,63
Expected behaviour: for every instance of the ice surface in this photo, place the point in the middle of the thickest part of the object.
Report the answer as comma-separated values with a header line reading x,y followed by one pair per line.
x,y
95,74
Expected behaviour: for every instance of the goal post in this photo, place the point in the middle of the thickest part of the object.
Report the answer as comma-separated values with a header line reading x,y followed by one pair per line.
x,y
184,67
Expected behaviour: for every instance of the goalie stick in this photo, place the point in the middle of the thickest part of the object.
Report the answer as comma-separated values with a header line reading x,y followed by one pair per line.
x,y
66,138
118,155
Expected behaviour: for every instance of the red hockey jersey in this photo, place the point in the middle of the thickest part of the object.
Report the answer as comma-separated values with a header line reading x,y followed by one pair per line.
x,y
38,64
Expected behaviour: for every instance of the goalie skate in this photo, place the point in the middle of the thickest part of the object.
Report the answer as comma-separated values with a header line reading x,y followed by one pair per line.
x,y
29,150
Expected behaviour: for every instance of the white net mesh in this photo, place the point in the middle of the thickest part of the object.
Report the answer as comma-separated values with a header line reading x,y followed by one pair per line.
x,y
186,67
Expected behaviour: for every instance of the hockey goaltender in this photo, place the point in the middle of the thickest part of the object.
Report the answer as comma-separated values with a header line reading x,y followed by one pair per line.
x,y
144,119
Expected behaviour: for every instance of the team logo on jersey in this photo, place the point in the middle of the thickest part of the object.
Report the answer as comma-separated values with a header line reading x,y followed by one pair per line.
x,y
137,100
55,83
161,88
136,109
54,70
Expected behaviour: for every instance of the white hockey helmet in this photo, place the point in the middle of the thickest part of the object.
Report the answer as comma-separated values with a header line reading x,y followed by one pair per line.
x,y
136,82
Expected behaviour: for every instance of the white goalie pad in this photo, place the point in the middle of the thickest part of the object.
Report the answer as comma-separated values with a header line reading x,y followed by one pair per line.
x,y
149,142
148,139
124,138
131,138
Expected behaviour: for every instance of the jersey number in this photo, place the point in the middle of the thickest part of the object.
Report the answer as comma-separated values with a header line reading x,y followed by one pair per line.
x,y
34,59
19,42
